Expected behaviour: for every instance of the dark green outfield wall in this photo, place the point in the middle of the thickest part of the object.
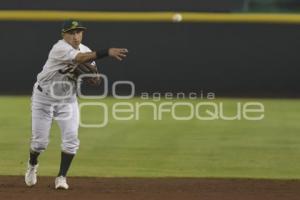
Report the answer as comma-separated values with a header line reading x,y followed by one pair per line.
x,y
125,5
228,59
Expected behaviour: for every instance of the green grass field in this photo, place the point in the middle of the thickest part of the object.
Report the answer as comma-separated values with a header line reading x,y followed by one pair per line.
x,y
269,148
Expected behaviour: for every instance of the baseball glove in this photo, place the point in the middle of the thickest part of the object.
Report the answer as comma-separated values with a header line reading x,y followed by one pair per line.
x,y
90,69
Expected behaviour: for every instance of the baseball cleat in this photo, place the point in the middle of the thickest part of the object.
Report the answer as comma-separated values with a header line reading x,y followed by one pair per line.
x,y
30,176
61,183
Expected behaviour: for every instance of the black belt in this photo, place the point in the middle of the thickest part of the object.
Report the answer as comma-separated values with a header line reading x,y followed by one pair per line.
x,y
39,88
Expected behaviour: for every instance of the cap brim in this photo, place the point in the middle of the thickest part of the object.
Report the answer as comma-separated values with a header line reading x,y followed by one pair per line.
x,y
79,27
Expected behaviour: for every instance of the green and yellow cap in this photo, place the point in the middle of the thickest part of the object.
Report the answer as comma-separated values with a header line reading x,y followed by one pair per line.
x,y
71,24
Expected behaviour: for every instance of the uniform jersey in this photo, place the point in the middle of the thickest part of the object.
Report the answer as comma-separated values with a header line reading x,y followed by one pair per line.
x,y
60,59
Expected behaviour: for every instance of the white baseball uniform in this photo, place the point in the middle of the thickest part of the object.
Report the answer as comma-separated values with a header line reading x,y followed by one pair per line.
x,y
54,97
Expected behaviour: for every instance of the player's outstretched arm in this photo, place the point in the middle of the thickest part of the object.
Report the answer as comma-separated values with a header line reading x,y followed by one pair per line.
x,y
117,53
85,57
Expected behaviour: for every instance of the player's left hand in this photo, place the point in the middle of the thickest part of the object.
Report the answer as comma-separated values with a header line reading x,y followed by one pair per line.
x,y
118,53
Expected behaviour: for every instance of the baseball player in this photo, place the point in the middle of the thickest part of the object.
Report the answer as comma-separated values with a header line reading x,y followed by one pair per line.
x,y
54,97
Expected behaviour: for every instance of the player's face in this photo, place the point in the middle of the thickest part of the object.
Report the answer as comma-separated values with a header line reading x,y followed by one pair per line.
x,y
73,37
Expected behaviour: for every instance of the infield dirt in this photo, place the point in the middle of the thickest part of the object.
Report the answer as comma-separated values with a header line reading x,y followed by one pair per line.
x,y
13,187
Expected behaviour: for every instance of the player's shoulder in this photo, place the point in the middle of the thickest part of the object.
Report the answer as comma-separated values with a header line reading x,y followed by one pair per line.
x,y
60,48
61,45
83,48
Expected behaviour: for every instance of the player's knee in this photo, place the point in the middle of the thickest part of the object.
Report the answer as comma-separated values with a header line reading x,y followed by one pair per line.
x,y
39,146
70,145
